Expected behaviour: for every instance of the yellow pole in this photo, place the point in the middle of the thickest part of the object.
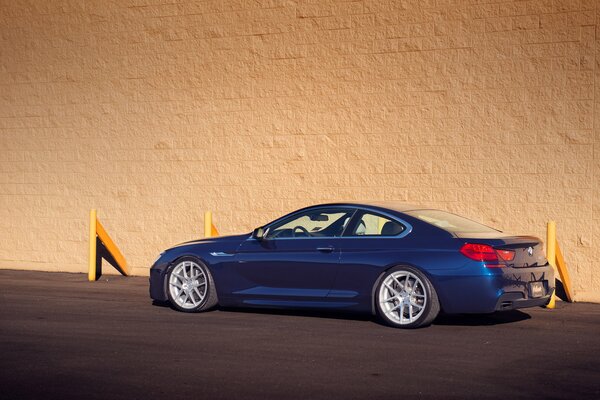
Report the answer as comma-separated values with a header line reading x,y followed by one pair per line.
x,y
551,255
92,260
207,224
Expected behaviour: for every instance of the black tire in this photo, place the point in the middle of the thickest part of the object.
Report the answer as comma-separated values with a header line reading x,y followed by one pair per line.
x,y
398,307
186,297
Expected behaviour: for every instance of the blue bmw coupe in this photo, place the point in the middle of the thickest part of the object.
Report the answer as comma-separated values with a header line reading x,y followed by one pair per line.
x,y
400,262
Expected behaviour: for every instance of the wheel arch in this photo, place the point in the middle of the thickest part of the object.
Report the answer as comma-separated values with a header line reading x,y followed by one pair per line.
x,y
176,260
396,265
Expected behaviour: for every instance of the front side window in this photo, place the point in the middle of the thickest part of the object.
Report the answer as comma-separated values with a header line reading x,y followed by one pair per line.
x,y
377,225
312,223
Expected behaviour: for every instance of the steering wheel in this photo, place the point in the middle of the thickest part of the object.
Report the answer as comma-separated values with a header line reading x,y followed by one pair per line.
x,y
301,228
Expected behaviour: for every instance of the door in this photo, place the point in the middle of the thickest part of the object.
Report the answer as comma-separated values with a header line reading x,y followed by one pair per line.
x,y
296,261
371,242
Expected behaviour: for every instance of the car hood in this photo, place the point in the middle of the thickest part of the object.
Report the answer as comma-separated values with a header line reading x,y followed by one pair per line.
x,y
214,240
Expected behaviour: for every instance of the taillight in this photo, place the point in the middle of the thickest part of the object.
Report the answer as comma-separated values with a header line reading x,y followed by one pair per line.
x,y
486,253
479,252
506,255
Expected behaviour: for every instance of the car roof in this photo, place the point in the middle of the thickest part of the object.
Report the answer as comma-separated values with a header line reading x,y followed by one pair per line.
x,y
389,205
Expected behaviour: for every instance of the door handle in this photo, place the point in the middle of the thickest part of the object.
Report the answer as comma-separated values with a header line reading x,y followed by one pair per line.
x,y
327,249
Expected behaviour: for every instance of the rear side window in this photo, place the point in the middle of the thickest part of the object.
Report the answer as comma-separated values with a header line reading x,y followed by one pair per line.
x,y
376,225
450,222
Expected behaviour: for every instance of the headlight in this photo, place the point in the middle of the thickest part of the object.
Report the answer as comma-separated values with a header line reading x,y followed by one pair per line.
x,y
158,258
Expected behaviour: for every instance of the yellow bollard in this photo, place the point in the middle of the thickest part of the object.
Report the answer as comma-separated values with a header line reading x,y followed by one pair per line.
x,y
111,247
99,237
208,224
92,260
551,255
563,273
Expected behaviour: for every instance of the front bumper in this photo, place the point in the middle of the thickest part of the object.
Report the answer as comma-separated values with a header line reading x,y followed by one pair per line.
x,y
157,284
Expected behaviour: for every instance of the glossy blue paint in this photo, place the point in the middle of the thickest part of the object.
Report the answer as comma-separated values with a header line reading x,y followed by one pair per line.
x,y
342,272
281,292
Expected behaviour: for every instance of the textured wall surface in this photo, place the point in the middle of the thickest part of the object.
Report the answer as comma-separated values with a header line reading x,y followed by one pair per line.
x,y
153,111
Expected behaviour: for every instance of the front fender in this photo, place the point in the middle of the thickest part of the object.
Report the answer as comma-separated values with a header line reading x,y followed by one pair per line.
x,y
213,253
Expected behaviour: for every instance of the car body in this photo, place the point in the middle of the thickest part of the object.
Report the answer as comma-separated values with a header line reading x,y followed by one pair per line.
x,y
375,258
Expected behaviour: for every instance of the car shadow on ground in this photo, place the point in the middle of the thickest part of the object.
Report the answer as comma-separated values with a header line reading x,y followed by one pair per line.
x,y
302,313
497,318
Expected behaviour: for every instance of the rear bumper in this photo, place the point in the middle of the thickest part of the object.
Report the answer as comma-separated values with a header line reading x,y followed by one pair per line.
x,y
492,289
514,300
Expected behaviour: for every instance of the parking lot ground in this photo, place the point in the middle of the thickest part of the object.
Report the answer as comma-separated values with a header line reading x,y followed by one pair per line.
x,y
62,337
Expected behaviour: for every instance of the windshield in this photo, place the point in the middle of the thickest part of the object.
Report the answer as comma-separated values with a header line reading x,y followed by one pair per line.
x,y
450,222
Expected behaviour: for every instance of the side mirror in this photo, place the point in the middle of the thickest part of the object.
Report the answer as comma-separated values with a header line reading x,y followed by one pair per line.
x,y
259,233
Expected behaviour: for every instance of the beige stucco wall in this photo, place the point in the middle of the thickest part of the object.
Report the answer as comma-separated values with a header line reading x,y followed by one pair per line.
x,y
153,111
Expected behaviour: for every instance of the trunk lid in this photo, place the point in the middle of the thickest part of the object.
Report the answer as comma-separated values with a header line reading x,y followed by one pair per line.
x,y
528,250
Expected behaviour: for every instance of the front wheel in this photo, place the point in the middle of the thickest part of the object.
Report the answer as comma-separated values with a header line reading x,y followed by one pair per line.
x,y
405,298
190,286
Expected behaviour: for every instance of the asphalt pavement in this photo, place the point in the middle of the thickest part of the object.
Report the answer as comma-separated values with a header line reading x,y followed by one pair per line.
x,y
62,337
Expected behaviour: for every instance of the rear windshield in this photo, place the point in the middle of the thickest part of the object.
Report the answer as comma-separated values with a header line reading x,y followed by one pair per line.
x,y
450,222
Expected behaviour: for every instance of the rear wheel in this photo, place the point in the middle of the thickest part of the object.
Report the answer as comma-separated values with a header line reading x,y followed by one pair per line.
x,y
405,298
190,286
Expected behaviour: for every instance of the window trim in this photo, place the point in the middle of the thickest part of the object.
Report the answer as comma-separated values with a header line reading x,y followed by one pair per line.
x,y
362,211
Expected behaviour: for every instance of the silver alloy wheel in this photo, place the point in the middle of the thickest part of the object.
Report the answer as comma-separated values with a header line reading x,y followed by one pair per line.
x,y
402,297
188,284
